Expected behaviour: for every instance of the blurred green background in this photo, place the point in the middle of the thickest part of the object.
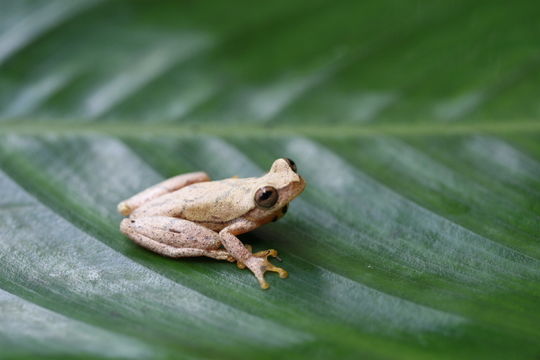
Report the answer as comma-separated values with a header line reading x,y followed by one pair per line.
x,y
415,123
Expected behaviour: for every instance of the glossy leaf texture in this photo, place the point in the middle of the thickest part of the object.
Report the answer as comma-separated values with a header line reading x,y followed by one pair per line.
x,y
416,125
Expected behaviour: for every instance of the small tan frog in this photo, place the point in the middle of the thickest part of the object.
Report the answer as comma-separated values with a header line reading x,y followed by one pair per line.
x,y
189,215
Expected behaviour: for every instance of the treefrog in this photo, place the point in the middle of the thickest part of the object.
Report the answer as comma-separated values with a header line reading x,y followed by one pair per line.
x,y
189,215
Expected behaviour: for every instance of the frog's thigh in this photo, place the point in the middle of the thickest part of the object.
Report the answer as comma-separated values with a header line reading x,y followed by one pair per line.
x,y
175,232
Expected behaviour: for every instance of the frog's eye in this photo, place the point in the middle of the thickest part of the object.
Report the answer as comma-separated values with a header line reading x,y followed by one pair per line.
x,y
291,164
266,196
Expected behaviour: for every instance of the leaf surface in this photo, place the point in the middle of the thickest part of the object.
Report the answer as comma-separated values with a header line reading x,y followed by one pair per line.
x,y
415,124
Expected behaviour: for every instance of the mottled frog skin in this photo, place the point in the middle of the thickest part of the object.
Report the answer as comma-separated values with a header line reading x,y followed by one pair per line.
x,y
189,215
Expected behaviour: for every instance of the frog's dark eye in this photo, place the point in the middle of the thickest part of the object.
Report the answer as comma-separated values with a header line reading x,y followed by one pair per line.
x,y
291,164
266,196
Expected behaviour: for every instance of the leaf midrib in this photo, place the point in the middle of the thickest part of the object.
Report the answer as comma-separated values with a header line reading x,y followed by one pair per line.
x,y
125,128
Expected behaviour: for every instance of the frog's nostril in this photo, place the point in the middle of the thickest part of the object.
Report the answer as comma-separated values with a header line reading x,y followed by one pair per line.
x,y
291,164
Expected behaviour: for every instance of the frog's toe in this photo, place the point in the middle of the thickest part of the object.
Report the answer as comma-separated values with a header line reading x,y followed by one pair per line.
x,y
281,272
264,285
266,253
269,266
124,209
259,274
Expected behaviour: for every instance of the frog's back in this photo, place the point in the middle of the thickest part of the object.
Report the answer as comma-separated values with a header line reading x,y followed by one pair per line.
x,y
212,201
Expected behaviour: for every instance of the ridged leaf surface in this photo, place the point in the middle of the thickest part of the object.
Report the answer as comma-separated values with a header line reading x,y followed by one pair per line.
x,y
416,125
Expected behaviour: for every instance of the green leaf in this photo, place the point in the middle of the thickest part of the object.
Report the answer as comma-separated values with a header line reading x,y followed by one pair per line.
x,y
416,125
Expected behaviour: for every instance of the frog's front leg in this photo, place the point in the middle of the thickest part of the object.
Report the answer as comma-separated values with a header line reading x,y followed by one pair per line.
x,y
257,263
174,237
126,207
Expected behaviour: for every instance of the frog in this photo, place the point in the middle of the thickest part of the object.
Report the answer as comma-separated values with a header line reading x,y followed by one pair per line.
x,y
189,215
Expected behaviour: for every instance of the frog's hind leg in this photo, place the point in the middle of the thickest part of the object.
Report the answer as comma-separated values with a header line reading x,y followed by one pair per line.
x,y
126,207
174,237
174,252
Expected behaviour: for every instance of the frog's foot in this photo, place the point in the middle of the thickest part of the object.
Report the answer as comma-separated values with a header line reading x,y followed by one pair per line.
x,y
264,253
259,264
124,209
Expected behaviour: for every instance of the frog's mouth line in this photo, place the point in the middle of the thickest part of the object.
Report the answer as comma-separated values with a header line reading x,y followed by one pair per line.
x,y
294,189
303,182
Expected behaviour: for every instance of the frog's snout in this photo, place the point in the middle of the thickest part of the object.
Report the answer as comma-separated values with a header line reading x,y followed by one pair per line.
x,y
301,183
